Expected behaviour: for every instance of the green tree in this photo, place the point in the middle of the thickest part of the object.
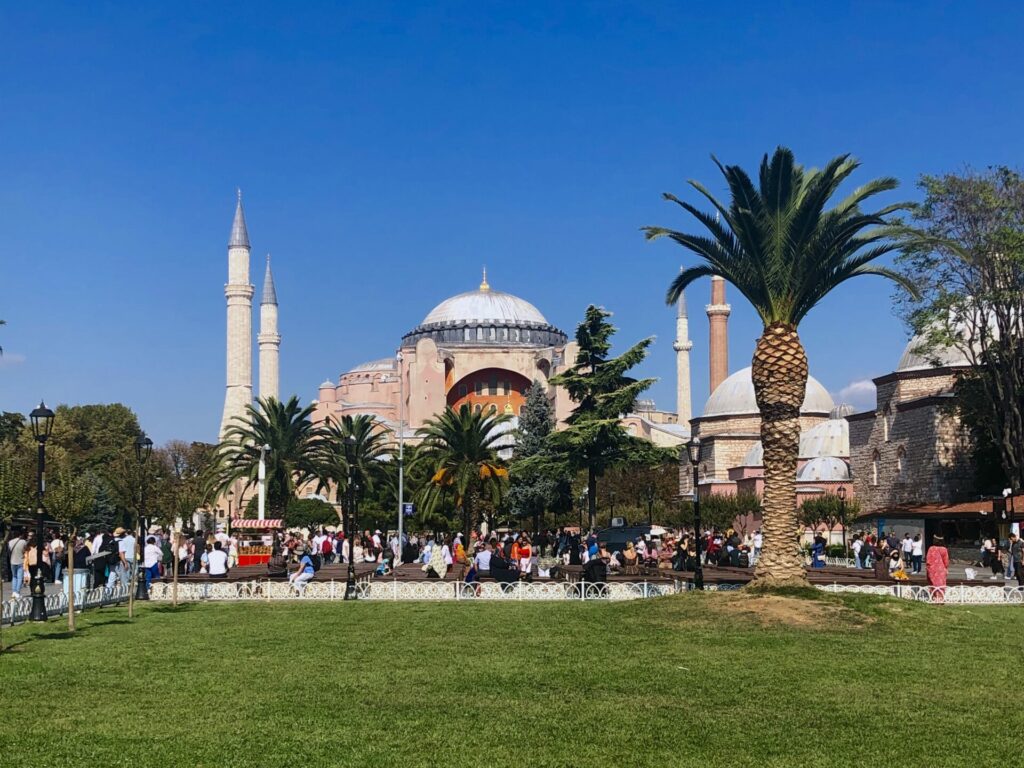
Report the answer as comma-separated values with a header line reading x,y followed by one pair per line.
x,y
594,439
181,484
309,513
296,447
69,500
459,450
970,267
538,485
780,246
356,450
15,497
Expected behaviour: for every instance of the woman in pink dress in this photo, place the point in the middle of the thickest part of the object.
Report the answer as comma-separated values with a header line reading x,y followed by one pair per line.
x,y
937,565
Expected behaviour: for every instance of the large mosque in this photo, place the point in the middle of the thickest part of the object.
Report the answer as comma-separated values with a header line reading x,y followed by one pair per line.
x,y
484,348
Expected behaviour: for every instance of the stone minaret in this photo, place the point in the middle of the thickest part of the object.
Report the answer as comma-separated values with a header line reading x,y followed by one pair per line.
x,y
682,346
238,292
718,343
269,339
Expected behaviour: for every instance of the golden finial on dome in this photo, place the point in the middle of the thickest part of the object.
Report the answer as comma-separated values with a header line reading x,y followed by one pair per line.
x,y
484,285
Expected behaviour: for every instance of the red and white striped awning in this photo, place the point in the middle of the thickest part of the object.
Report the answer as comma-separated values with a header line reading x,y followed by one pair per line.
x,y
240,522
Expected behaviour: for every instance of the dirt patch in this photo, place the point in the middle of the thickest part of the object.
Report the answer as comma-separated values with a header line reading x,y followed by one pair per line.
x,y
781,610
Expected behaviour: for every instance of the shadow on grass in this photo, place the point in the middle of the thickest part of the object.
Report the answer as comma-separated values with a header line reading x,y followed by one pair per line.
x,y
181,608
62,634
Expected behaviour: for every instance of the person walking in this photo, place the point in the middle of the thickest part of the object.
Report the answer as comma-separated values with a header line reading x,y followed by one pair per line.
x,y
995,561
16,557
937,567
917,554
1016,557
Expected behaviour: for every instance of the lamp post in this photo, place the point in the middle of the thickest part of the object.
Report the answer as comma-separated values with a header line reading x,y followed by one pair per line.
x,y
262,477
42,424
841,493
611,515
583,503
401,453
139,590
350,503
649,494
693,452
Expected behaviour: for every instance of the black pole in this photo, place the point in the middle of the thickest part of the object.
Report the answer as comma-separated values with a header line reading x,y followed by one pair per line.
x,y
698,569
350,582
141,590
38,586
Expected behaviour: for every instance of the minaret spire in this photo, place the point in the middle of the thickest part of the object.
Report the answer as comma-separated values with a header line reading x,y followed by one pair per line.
x,y
682,346
238,293
269,339
718,320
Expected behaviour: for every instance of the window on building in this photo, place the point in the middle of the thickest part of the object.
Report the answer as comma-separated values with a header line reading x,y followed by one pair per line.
x,y
901,460
463,389
506,387
886,417
479,387
492,388
874,468
494,409
515,334
504,334
466,336
477,409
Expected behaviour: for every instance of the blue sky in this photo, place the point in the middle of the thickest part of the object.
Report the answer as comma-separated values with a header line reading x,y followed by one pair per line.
x,y
387,151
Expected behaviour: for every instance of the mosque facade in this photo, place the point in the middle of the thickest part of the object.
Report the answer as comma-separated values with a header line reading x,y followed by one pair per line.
x,y
484,348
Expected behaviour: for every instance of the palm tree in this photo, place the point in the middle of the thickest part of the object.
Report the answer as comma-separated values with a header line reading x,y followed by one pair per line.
x,y
782,249
356,449
459,450
296,447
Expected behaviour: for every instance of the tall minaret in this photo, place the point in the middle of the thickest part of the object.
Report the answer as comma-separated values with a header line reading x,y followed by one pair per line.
x,y
238,292
269,339
682,346
718,343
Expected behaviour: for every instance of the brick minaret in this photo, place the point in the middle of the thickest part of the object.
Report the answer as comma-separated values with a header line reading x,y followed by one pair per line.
x,y
718,343
269,339
238,292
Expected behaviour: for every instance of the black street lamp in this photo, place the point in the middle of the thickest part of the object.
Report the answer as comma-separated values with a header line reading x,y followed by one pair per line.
x,y
350,582
841,493
143,450
42,425
693,453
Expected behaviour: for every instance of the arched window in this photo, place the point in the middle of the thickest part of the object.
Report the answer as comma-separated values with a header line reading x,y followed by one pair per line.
x,y
477,409
901,460
874,468
494,409
886,418
465,335
462,389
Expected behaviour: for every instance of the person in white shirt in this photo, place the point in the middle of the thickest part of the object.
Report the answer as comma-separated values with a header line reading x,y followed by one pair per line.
x,y
857,546
56,556
217,562
483,558
758,543
151,557
907,545
917,553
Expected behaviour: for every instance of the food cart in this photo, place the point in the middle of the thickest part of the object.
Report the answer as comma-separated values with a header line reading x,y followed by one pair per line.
x,y
255,538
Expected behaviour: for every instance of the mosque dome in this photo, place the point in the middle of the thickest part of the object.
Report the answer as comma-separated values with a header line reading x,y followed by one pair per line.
x,y
735,397
384,364
486,317
841,411
824,468
829,438
915,358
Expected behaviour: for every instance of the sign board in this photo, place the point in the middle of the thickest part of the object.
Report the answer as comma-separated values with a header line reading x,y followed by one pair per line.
x,y
408,509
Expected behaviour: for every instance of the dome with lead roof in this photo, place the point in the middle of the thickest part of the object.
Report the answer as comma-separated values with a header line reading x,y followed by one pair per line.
x,y
735,397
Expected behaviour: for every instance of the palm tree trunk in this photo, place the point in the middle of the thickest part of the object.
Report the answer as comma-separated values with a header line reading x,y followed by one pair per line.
x,y
780,380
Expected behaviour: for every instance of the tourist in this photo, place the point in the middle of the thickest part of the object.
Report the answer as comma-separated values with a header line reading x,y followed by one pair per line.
x,y
303,572
525,556
31,552
907,548
937,567
152,554
482,560
895,562
80,561
1015,556
56,547
917,554
818,552
758,545
16,557
217,562
995,562
857,545
198,548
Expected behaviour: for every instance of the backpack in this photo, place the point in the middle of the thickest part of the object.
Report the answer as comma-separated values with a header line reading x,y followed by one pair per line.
x,y
316,561
325,548
113,555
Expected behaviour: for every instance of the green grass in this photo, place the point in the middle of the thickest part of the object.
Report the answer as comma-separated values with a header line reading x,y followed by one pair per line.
x,y
687,680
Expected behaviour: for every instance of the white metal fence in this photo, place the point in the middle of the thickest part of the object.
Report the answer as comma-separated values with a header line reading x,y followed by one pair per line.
x,y
14,611
367,589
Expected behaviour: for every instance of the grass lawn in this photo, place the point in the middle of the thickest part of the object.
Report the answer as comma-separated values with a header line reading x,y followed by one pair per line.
x,y
720,680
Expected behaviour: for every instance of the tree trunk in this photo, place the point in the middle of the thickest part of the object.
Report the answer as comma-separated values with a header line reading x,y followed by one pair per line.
x,y
71,579
176,545
780,380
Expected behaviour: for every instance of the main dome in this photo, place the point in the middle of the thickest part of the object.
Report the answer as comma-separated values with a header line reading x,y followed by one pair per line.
x,y
485,305
735,397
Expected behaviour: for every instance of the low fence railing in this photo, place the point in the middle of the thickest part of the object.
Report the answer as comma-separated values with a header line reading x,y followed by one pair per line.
x,y
15,611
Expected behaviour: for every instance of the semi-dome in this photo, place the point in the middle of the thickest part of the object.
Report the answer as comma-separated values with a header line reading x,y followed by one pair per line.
x,y
384,364
824,468
735,397
754,457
